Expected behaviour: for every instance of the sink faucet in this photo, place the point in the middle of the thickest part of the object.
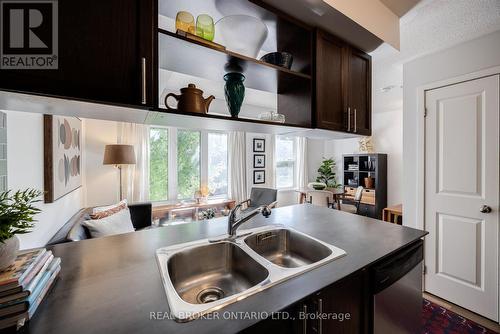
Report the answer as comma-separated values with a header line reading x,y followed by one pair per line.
x,y
233,222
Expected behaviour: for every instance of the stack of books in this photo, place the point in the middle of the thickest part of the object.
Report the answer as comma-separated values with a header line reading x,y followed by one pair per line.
x,y
352,167
24,285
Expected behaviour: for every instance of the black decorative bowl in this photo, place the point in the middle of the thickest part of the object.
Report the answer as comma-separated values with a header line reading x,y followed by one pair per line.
x,y
283,59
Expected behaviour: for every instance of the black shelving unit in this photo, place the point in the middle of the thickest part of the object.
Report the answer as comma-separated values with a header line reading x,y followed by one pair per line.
x,y
357,167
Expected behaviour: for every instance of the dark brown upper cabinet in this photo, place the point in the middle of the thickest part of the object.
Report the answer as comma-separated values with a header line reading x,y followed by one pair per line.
x,y
359,91
105,54
342,86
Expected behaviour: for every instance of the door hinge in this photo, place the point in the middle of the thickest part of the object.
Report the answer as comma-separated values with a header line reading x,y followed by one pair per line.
x,y
425,112
425,270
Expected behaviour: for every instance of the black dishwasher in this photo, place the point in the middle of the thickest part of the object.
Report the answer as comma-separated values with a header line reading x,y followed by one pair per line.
x,y
397,292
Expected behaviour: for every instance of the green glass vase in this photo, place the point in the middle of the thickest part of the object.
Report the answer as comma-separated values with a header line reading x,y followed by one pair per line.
x,y
234,90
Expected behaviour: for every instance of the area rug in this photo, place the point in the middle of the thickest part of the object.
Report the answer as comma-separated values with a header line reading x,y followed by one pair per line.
x,y
438,320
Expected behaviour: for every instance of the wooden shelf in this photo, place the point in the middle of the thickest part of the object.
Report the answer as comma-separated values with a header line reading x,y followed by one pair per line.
x,y
202,60
257,121
161,116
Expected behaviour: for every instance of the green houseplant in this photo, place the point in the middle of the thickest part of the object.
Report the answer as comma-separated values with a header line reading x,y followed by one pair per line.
x,y
327,174
17,211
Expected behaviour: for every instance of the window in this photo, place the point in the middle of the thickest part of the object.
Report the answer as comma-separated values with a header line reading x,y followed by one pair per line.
x,y
195,158
158,164
285,162
217,163
188,163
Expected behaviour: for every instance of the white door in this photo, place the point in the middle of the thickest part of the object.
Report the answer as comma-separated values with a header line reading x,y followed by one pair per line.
x,y
461,185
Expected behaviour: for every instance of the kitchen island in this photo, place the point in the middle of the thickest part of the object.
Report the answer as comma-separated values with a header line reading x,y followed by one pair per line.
x,y
113,285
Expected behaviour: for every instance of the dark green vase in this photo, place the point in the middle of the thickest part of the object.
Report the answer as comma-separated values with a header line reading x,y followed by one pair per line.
x,y
235,92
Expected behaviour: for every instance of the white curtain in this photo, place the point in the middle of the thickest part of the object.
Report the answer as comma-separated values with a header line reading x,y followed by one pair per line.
x,y
237,166
302,170
135,178
271,162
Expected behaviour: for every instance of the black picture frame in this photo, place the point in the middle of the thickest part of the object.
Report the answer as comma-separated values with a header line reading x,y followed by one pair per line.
x,y
259,161
259,179
259,145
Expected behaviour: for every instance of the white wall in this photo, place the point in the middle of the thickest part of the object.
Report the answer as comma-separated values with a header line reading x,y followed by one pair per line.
x,y
468,57
315,154
25,170
102,182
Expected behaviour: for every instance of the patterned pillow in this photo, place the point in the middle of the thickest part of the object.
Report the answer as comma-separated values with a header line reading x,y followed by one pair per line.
x,y
109,211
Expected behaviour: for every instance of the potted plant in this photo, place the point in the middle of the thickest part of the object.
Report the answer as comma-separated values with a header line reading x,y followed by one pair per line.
x,y
327,174
17,213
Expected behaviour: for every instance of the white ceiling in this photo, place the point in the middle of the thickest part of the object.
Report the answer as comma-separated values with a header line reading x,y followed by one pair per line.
x,y
431,26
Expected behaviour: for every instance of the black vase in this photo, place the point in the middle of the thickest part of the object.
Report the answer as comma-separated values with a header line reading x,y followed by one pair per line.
x,y
234,90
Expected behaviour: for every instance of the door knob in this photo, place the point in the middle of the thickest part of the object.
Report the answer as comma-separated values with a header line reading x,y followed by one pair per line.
x,y
485,209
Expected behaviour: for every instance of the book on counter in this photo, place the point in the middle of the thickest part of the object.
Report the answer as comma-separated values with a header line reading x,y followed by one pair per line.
x,y
24,285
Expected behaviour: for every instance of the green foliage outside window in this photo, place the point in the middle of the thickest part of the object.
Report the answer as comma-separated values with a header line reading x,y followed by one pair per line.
x,y
158,164
188,163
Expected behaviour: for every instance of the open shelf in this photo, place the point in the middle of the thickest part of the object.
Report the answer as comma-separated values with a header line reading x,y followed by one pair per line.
x,y
201,60
214,116
238,58
160,116
268,87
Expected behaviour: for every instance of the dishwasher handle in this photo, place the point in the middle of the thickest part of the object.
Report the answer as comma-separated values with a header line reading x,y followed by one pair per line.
x,y
391,270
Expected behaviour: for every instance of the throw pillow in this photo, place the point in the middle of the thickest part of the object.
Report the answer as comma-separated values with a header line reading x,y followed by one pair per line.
x,y
117,223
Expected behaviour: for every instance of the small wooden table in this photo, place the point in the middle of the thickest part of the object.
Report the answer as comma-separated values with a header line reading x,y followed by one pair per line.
x,y
337,193
392,214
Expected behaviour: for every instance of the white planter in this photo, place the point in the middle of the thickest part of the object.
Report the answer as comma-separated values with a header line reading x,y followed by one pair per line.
x,y
8,252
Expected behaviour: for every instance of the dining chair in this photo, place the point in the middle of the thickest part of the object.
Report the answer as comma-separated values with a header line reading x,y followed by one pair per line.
x,y
261,196
358,195
320,198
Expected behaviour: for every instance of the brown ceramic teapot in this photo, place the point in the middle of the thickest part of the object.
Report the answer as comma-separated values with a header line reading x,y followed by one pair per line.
x,y
190,100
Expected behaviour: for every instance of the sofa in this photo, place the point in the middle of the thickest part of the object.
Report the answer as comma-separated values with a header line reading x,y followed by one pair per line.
x,y
73,230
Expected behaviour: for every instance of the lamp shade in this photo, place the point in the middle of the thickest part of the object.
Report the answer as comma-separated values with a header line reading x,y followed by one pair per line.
x,y
119,155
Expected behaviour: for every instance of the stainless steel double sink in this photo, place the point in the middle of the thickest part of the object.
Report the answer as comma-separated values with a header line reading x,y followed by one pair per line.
x,y
205,275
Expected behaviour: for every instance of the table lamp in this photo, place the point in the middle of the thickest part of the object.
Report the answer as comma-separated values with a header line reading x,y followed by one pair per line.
x,y
119,155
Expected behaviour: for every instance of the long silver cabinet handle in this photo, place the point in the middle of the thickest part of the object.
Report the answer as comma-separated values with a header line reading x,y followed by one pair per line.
x,y
355,121
304,322
143,80
320,311
348,119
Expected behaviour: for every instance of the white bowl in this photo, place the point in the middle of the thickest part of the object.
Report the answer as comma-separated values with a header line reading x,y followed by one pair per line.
x,y
242,34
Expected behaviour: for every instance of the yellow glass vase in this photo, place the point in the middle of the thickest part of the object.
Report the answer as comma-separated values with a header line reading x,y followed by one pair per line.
x,y
185,21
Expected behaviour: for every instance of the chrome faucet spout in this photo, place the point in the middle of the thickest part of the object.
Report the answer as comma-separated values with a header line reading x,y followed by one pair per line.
x,y
234,221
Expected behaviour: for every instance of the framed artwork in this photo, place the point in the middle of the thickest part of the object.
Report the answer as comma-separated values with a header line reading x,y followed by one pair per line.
x,y
259,145
62,156
259,161
259,176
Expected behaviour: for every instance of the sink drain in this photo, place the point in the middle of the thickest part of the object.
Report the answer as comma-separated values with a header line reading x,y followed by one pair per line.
x,y
209,295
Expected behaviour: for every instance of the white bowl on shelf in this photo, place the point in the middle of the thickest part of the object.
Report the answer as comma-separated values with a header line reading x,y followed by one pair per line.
x,y
242,34
272,116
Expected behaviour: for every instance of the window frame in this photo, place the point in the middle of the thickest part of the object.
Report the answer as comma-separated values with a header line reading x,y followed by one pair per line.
x,y
172,190
294,161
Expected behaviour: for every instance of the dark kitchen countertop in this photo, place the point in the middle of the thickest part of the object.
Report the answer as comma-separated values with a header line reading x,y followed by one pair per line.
x,y
110,285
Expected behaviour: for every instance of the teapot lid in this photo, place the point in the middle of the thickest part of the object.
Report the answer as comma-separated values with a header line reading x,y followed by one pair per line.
x,y
191,87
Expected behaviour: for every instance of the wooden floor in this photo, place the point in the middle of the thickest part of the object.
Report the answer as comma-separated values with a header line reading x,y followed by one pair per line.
x,y
463,312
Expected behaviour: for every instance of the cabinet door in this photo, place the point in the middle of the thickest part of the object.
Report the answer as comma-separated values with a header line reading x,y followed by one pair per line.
x,y
101,45
359,91
331,112
346,304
